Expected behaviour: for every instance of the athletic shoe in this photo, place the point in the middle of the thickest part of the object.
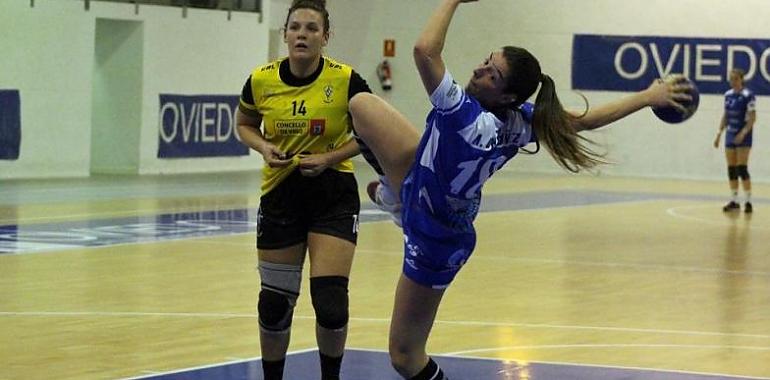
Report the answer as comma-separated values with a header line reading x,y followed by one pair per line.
x,y
732,206
382,196
747,208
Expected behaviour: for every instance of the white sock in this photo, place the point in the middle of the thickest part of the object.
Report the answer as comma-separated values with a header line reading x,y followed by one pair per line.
x,y
734,197
747,194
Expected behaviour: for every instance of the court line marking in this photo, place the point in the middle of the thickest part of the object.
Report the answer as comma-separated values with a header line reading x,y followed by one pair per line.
x,y
375,320
181,370
675,212
656,267
121,214
578,364
608,345
143,213
460,356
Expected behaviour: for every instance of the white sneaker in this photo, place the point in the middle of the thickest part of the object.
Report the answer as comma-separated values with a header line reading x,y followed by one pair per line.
x,y
383,197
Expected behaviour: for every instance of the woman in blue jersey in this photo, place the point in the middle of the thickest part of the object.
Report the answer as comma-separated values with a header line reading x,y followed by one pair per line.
x,y
470,133
738,119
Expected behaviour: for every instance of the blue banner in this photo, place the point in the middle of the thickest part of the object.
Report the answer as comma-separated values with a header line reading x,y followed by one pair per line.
x,y
198,126
631,63
10,124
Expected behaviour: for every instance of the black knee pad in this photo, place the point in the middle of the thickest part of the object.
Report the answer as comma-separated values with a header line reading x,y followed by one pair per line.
x,y
743,172
330,301
732,173
280,289
275,311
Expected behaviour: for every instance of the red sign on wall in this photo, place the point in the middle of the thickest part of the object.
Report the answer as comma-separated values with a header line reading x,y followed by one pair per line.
x,y
389,48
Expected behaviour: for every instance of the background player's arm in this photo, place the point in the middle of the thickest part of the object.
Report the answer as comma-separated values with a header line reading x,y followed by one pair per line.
x,y
722,126
249,130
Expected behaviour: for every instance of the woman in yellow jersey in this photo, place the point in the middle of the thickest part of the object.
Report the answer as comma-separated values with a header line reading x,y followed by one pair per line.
x,y
309,197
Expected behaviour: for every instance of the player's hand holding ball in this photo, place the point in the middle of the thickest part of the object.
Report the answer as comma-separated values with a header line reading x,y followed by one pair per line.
x,y
674,98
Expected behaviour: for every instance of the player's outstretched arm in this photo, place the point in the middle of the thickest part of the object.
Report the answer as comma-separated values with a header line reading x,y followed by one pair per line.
x,y
659,94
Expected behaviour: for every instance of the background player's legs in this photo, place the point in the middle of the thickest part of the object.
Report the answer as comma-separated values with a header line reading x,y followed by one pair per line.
x,y
414,311
732,174
742,162
391,137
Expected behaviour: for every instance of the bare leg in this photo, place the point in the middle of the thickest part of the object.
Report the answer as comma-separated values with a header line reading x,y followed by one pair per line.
x,y
390,136
414,312
330,256
732,160
742,158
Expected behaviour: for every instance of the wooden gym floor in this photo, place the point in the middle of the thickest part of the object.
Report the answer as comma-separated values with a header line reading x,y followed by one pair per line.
x,y
118,277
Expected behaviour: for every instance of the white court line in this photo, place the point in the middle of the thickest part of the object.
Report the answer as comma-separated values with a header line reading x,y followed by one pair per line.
x,y
143,213
120,214
655,267
614,367
211,365
607,346
675,212
375,320
454,356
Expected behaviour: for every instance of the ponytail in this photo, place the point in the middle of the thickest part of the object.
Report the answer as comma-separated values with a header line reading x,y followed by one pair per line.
x,y
553,127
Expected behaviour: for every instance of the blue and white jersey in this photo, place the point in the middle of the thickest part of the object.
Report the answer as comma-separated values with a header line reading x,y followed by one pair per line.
x,y
462,146
738,104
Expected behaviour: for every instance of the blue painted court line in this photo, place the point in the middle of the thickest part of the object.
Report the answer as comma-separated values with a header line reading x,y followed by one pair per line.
x,y
40,237
375,365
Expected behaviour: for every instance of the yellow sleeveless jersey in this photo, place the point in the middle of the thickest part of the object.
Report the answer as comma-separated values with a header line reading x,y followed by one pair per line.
x,y
302,120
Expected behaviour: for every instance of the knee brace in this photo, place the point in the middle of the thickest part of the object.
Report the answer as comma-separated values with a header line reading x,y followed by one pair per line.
x,y
732,173
330,301
743,172
280,289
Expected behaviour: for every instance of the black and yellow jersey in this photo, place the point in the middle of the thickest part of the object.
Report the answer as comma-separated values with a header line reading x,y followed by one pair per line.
x,y
302,115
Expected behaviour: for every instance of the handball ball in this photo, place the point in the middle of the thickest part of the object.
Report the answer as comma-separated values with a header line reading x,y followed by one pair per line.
x,y
672,115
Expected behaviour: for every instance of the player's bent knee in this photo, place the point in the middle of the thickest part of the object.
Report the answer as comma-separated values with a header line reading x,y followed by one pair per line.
x,y
280,289
330,301
359,101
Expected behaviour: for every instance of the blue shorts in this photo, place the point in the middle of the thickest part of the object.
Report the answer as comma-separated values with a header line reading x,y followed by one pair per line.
x,y
433,255
730,137
433,263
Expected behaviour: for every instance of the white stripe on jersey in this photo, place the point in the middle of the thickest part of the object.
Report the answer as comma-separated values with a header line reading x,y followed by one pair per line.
x,y
448,96
431,147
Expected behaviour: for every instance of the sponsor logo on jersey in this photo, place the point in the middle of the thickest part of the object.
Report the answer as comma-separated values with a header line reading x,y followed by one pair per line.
x,y
317,127
328,93
291,127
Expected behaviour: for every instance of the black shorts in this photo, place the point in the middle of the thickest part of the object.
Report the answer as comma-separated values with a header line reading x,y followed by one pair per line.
x,y
326,204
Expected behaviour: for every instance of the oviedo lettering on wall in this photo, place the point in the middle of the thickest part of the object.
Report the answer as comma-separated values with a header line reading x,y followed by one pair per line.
x,y
198,126
630,63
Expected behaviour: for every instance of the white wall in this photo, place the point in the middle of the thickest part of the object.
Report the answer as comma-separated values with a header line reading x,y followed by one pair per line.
x,y
116,117
48,55
639,145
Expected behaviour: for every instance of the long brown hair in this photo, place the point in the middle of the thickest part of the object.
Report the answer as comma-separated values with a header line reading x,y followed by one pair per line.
x,y
553,125
316,5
